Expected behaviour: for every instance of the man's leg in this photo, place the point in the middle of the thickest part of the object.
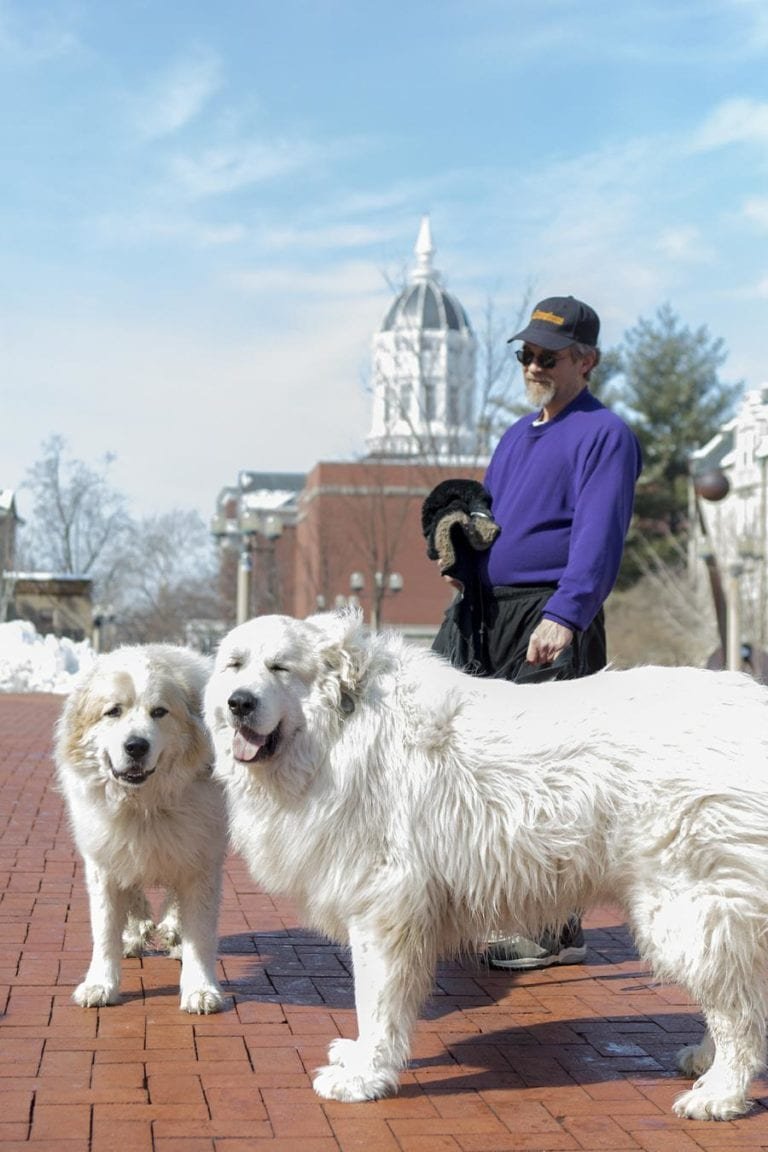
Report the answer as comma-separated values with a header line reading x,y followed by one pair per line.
x,y
586,655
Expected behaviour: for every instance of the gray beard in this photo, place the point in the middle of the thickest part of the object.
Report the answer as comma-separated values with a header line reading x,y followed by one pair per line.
x,y
539,395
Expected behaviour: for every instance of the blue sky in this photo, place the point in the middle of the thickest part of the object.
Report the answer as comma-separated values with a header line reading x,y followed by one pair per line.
x,y
203,206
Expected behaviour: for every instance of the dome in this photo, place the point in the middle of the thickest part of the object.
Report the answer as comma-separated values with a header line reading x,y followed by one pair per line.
x,y
424,303
424,371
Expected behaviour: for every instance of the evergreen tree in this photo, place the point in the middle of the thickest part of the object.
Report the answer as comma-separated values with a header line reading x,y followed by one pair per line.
x,y
675,401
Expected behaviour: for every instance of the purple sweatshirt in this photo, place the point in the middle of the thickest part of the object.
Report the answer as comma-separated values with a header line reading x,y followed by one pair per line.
x,y
563,493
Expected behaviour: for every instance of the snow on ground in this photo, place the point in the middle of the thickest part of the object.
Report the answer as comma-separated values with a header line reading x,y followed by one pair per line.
x,y
30,662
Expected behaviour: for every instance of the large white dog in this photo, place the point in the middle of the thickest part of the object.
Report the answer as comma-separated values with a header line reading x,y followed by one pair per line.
x,y
134,763
409,809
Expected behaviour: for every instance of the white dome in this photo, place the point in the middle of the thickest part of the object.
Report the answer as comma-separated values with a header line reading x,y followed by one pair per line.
x,y
424,370
426,306
424,303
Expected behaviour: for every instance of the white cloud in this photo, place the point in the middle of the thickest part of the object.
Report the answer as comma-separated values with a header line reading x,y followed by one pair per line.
x,y
684,244
130,228
33,38
740,120
755,16
228,168
177,97
338,236
352,280
756,211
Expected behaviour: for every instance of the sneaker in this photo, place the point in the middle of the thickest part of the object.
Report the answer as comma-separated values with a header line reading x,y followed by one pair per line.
x,y
517,952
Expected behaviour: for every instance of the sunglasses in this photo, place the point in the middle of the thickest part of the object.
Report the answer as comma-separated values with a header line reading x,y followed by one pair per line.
x,y
545,360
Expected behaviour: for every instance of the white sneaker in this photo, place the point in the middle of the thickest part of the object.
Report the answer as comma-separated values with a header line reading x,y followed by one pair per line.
x,y
518,952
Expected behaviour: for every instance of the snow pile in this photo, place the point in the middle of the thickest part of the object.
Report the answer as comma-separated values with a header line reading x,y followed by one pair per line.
x,y
30,662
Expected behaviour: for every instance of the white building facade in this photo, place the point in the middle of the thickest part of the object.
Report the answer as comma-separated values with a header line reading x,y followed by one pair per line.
x,y
424,372
737,524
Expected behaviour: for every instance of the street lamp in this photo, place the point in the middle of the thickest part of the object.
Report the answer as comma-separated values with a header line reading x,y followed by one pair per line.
x,y
103,621
240,532
384,584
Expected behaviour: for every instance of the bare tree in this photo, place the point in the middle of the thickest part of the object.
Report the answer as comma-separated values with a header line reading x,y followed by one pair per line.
x,y
79,523
660,619
8,527
376,520
499,384
168,588
150,578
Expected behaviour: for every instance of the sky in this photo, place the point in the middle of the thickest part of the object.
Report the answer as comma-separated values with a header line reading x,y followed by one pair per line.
x,y
204,207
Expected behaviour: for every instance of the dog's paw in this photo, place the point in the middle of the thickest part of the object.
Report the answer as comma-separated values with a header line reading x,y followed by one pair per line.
x,y
136,936
95,995
202,1001
168,935
343,1052
703,1104
695,1059
351,1077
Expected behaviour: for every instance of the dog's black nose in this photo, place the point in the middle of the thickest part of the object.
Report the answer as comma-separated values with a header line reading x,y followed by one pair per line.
x,y
241,702
136,747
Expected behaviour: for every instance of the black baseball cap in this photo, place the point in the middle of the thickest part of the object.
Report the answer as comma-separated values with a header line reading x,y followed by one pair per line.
x,y
559,321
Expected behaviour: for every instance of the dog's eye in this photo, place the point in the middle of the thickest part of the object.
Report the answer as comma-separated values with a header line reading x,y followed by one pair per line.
x,y
114,711
235,663
276,668
159,712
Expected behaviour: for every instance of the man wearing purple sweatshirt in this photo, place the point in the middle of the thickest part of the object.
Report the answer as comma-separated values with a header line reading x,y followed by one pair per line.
x,y
562,483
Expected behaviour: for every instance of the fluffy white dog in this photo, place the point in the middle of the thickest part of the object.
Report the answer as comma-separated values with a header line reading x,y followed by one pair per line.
x,y
134,763
409,809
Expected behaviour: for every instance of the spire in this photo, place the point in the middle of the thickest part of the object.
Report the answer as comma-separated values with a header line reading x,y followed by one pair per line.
x,y
424,252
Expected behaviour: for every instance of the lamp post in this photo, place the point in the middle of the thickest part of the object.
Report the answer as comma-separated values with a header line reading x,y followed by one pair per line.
x,y
762,456
241,532
103,621
714,486
384,584
733,627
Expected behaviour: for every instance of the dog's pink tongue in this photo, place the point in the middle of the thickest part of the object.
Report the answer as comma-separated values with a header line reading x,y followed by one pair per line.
x,y
246,745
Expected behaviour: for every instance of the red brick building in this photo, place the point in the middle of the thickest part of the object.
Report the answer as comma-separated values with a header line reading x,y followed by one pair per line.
x,y
358,534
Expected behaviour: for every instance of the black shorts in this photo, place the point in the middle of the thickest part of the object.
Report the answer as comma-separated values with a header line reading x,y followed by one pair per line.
x,y
488,636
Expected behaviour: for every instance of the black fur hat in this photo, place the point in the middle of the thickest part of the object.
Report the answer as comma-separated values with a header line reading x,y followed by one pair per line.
x,y
456,520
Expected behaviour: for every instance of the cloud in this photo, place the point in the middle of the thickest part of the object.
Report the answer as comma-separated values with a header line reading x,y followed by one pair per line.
x,y
352,280
756,211
684,245
335,236
176,97
218,170
755,22
150,225
740,120
31,38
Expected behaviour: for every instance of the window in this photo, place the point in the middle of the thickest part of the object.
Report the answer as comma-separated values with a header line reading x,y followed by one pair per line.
x,y
429,401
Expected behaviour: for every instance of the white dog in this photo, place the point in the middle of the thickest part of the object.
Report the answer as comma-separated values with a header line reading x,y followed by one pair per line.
x,y
409,809
134,763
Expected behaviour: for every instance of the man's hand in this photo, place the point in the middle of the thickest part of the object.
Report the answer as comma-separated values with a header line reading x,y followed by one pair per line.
x,y
547,641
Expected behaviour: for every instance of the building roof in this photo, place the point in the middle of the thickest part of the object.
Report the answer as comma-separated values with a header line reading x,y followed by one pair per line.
x,y
424,302
271,481
8,504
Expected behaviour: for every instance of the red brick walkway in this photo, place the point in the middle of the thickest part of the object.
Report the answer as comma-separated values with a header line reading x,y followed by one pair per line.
x,y
577,1058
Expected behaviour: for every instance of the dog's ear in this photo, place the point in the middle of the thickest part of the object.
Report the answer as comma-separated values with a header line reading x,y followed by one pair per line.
x,y
81,709
344,652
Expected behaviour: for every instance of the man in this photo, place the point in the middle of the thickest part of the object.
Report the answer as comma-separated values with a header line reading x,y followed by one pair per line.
x,y
562,483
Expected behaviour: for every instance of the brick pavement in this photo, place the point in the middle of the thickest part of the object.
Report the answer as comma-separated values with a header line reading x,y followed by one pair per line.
x,y
578,1058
